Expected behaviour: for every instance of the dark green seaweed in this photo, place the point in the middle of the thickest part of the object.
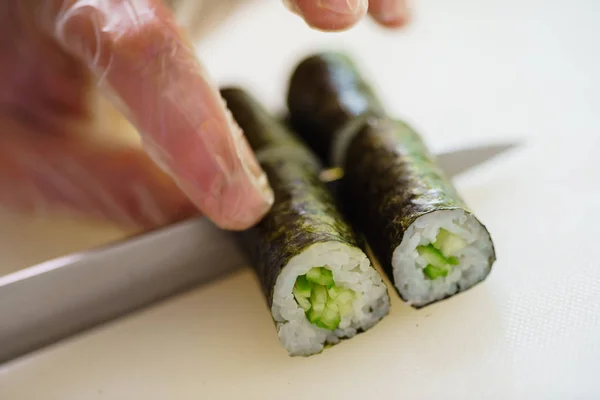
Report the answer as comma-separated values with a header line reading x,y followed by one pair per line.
x,y
325,92
304,211
390,178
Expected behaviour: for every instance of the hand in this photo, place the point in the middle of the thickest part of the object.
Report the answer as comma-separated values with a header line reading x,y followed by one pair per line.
x,y
54,54
342,14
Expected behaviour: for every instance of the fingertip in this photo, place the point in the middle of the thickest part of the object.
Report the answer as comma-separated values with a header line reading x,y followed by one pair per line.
x,y
216,169
390,13
237,206
393,22
329,15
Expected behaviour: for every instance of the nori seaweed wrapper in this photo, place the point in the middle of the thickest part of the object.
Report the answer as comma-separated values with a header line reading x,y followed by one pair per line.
x,y
304,211
325,92
390,178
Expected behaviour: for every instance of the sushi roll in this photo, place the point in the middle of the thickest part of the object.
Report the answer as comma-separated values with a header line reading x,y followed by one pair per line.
x,y
344,98
424,236
319,284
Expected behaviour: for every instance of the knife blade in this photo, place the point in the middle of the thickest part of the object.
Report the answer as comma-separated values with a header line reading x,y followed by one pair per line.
x,y
453,162
48,302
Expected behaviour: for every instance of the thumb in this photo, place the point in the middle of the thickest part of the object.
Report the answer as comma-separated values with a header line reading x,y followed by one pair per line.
x,y
143,61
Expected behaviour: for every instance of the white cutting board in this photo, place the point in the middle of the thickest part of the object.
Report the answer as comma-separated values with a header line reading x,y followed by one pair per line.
x,y
467,71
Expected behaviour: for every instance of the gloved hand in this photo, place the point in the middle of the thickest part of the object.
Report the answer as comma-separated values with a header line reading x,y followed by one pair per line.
x,y
54,53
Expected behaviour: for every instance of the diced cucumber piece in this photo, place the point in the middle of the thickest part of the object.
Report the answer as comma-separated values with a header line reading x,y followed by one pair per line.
x,y
433,272
330,319
432,255
332,305
345,297
303,302
319,324
317,307
313,315
326,278
313,274
333,292
327,304
319,298
302,288
452,260
449,243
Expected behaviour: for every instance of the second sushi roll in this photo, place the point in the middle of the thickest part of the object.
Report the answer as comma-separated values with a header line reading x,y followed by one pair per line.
x,y
319,284
426,239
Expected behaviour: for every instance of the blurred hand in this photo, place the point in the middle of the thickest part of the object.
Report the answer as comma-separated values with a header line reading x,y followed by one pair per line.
x,y
55,53
335,15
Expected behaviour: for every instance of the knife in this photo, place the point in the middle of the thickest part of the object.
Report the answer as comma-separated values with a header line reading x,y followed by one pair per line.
x,y
48,302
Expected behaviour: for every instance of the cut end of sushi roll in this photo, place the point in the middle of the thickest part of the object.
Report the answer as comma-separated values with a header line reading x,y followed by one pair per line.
x,y
442,253
327,293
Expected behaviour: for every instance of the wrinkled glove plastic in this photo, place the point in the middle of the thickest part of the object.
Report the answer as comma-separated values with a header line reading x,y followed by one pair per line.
x,y
57,54
53,53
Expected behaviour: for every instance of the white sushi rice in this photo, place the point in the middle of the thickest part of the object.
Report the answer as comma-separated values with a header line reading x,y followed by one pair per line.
x,y
351,269
474,260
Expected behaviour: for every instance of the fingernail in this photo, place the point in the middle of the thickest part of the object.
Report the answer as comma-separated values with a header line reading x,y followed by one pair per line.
x,y
252,166
393,13
344,7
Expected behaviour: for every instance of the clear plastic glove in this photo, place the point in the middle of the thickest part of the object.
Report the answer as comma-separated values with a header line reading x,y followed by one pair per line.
x,y
54,53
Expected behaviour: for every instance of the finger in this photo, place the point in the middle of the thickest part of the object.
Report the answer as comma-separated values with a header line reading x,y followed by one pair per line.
x,y
141,57
37,76
329,15
390,13
47,173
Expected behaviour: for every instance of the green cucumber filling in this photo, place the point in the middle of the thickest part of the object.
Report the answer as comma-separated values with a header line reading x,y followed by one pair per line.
x,y
323,302
440,255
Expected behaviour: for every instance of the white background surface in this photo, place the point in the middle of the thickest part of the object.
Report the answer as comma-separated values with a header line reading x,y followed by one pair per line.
x,y
467,71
